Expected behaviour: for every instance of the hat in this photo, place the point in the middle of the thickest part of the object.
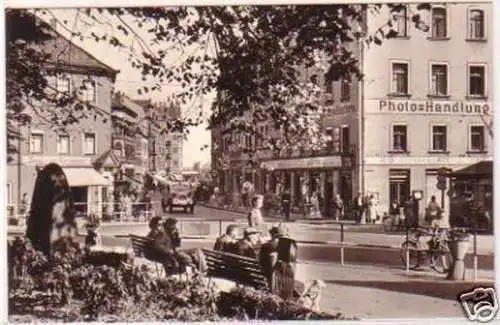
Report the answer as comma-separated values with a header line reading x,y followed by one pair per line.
x,y
278,230
251,230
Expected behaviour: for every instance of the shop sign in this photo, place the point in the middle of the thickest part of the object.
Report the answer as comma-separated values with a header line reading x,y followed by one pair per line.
x,y
434,107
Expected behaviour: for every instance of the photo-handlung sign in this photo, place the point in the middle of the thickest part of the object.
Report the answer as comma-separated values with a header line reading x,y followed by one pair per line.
x,y
431,107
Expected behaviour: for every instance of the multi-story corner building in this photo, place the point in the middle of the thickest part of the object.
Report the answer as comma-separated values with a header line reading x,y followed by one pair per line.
x,y
130,143
173,141
77,147
428,96
424,104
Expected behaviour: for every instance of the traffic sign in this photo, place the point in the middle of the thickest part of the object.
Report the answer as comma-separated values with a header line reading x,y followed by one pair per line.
x,y
441,178
441,186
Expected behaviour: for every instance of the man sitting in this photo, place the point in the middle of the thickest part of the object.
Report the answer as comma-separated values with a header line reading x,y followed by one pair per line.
x,y
248,246
164,244
228,242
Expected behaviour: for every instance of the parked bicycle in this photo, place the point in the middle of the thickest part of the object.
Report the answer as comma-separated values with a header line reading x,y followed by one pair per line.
x,y
435,250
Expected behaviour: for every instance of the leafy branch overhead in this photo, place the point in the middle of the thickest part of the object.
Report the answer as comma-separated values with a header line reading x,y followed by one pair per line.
x,y
253,57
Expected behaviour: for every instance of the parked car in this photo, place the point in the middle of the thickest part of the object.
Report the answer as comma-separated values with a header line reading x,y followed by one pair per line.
x,y
179,196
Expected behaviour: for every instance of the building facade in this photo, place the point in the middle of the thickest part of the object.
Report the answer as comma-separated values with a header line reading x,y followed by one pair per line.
x,y
424,104
428,95
77,146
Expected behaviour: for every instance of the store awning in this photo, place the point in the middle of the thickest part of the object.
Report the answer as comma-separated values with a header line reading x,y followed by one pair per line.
x,y
160,179
481,169
84,177
305,163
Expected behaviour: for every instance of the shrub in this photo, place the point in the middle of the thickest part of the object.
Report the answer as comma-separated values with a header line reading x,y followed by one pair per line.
x,y
73,287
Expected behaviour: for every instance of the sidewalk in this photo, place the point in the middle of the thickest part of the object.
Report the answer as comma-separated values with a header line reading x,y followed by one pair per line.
x,y
373,292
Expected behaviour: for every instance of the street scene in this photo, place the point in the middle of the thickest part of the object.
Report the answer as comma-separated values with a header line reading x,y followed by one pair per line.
x,y
238,163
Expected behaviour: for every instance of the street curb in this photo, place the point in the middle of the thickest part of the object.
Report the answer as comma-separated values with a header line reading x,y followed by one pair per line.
x,y
307,242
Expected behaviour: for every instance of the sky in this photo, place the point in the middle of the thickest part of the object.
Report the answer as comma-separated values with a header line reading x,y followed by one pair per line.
x,y
129,79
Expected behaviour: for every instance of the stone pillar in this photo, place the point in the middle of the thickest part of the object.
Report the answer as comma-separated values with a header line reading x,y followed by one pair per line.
x,y
292,188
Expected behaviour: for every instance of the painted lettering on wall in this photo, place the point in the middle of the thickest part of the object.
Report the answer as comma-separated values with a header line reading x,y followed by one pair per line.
x,y
437,107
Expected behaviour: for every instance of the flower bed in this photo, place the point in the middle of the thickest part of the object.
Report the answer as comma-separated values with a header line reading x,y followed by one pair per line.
x,y
71,288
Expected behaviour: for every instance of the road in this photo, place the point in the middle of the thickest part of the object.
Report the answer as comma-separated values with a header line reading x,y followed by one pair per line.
x,y
196,225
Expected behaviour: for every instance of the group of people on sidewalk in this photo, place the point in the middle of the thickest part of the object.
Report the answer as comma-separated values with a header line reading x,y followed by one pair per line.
x,y
277,254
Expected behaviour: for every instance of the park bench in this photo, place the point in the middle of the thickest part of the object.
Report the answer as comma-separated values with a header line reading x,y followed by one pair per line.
x,y
240,269
140,245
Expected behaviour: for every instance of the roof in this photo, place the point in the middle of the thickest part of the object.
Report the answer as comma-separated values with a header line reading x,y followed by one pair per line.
x,y
483,168
101,160
69,54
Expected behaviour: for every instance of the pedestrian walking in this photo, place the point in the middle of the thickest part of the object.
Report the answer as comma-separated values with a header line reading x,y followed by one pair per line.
x,y
315,210
371,212
255,219
358,207
286,200
338,207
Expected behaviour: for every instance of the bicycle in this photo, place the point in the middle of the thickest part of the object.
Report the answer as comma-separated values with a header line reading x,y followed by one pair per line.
x,y
440,259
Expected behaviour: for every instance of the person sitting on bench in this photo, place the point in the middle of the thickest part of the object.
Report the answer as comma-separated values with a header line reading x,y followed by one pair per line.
x,y
248,246
163,244
227,242
193,258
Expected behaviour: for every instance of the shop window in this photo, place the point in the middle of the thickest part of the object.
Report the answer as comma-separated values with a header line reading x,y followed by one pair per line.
x,y
439,138
399,185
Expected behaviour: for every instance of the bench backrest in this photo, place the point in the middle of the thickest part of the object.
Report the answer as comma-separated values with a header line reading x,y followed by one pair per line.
x,y
237,268
140,244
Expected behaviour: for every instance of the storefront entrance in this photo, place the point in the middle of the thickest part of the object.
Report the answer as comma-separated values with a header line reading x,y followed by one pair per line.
x,y
399,185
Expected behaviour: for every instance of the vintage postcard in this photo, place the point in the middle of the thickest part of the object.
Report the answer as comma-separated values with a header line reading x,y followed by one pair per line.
x,y
243,162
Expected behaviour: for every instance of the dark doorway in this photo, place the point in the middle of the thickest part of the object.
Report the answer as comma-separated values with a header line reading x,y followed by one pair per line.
x,y
328,194
346,188
399,185
79,195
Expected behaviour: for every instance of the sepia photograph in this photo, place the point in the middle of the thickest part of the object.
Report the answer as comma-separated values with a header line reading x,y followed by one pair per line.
x,y
239,162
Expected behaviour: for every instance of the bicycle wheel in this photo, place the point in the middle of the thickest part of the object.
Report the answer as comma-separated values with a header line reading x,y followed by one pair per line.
x,y
415,255
441,259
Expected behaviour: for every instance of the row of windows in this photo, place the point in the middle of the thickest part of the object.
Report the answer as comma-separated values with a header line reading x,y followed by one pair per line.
x,y
37,145
439,23
439,138
87,91
438,79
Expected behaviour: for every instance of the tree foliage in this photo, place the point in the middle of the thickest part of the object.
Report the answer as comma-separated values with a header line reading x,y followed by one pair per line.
x,y
256,63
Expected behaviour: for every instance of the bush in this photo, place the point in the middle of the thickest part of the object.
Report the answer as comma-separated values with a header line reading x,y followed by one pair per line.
x,y
74,287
